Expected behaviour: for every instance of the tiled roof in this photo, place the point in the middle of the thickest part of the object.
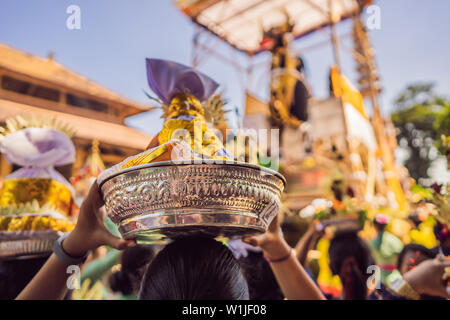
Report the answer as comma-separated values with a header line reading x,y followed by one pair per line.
x,y
51,71
85,128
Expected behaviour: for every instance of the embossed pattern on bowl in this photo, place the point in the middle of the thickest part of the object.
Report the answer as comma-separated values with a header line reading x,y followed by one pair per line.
x,y
164,200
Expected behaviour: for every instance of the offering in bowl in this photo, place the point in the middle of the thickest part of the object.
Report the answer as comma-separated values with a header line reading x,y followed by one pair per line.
x,y
187,182
36,202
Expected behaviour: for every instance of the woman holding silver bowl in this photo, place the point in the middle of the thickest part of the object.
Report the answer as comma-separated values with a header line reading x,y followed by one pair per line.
x,y
211,270
156,196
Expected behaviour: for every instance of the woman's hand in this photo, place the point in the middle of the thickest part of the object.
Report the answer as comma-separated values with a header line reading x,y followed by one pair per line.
x,y
90,231
315,230
318,230
291,277
272,242
50,282
308,240
426,278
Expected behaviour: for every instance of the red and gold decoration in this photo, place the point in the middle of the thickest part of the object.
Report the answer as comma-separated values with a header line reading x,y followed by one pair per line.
x,y
84,178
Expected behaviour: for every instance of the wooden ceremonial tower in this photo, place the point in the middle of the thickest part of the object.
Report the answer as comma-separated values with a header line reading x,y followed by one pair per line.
x,y
370,88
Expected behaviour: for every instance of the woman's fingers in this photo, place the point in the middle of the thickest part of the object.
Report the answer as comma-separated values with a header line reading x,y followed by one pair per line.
x,y
262,239
94,198
102,236
446,278
444,291
436,285
251,241
274,225
117,243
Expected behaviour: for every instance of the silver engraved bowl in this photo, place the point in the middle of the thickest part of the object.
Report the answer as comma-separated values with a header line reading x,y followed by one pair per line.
x,y
156,202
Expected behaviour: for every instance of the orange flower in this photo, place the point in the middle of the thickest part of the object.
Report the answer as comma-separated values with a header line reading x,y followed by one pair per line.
x,y
338,205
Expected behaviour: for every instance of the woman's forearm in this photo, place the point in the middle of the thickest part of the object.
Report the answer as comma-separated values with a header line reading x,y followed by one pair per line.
x,y
303,246
292,278
50,283
294,281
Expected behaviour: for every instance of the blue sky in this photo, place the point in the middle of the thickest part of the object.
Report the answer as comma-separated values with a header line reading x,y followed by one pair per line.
x,y
116,36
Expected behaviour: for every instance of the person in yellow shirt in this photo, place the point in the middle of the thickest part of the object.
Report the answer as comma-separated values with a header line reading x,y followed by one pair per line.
x,y
422,233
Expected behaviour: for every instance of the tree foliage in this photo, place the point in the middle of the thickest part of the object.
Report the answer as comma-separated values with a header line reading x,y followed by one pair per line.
x,y
421,117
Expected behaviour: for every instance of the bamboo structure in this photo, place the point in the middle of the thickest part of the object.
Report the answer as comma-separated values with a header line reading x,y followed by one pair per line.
x,y
370,87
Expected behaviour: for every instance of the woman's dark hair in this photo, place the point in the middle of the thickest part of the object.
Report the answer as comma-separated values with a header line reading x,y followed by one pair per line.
x,y
194,268
414,248
134,261
441,232
380,227
16,274
349,258
262,284
414,218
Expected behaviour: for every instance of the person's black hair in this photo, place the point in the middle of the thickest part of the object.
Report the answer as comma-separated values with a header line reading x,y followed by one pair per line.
x,y
337,189
299,105
16,274
262,284
415,248
349,258
300,64
438,231
414,218
134,261
380,227
194,268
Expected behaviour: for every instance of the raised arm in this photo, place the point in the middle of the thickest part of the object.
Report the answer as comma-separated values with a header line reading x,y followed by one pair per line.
x,y
292,278
306,242
50,283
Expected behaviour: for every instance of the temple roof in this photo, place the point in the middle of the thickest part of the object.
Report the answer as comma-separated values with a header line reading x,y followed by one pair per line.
x,y
85,128
48,70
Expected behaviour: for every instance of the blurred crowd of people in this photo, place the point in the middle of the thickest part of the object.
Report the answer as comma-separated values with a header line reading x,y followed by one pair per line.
x,y
260,267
